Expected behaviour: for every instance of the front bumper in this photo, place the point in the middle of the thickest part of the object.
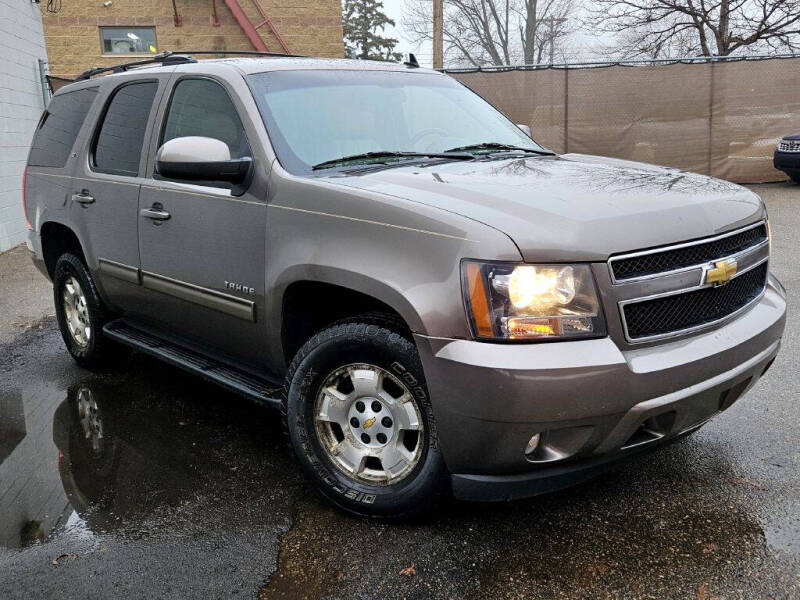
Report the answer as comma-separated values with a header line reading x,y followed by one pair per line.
x,y
788,162
591,402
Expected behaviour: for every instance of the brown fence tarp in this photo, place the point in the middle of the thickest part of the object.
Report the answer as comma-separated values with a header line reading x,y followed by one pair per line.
x,y
723,118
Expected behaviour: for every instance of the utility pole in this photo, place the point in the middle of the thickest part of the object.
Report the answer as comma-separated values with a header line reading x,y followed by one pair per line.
x,y
552,23
438,50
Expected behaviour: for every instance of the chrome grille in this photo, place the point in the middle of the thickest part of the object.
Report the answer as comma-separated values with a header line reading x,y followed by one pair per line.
x,y
789,146
683,311
674,290
643,264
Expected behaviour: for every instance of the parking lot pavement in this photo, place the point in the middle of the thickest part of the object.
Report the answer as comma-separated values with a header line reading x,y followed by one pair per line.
x,y
25,294
143,481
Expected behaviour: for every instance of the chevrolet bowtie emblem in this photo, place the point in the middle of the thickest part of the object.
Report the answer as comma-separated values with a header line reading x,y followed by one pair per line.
x,y
368,423
721,271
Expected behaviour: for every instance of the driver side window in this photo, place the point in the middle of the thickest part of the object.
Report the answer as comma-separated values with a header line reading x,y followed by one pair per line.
x,y
201,107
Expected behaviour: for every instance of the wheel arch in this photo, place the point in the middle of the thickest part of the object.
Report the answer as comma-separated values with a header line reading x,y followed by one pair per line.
x,y
309,303
56,239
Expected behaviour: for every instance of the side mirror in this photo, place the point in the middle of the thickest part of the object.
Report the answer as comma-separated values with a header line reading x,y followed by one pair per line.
x,y
526,129
195,158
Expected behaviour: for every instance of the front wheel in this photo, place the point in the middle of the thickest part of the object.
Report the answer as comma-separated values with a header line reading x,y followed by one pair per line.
x,y
357,413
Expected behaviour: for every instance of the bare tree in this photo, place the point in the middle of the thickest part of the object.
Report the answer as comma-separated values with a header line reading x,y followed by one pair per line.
x,y
493,32
663,28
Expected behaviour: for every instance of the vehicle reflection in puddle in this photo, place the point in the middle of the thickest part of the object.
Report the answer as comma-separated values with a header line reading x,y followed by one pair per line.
x,y
107,470
133,460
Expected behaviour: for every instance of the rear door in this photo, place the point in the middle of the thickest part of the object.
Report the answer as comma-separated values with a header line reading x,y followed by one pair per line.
x,y
105,188
203,267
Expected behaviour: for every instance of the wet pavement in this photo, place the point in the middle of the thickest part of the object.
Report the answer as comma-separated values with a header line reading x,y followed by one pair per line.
x,y
143,481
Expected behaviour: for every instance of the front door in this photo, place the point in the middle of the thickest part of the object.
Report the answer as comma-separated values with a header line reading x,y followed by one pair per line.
x,y
202,248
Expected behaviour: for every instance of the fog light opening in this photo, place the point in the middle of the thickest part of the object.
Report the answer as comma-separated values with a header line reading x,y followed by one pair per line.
x,y
652,430
533,444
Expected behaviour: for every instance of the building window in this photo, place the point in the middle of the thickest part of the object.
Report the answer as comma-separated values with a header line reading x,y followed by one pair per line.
x,y
128,40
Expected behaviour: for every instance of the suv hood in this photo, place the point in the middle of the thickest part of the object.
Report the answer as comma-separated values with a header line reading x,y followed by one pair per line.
x,y
571,207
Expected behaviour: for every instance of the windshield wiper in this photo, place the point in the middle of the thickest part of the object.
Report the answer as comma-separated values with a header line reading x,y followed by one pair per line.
x,y
388,154
496,146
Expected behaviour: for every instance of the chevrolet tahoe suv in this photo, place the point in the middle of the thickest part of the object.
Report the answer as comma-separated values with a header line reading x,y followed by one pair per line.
x,y
437,304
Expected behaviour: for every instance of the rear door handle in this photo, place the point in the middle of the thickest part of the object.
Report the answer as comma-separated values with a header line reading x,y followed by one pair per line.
x,y
83,197
155,212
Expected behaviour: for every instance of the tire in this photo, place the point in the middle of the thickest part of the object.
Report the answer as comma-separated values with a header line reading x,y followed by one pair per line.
x,y
88,347
796,178
417,477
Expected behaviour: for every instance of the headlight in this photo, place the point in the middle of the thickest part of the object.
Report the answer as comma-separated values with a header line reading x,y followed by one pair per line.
x,y
531,302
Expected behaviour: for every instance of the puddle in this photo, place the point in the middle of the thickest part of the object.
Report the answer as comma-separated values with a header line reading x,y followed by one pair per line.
x,y
133,456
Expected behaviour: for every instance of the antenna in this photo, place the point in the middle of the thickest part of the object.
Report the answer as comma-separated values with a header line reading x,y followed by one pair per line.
x,y
412,61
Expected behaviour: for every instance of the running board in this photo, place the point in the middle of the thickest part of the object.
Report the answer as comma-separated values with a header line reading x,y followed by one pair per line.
x,y
244,384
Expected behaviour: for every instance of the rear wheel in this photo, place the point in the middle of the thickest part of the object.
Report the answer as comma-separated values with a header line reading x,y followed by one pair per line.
x,y
80,312
357,414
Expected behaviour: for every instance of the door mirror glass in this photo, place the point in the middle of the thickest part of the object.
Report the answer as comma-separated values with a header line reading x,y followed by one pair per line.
x,y
525,128
196,158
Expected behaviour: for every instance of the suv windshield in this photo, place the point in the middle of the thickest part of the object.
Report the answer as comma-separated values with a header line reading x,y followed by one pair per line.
x,y
316,117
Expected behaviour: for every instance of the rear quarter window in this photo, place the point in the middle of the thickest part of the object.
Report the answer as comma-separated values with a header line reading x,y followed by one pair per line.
x,y
59,127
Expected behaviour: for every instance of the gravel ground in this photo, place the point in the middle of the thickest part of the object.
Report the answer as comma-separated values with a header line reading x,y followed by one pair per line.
x,y
155,491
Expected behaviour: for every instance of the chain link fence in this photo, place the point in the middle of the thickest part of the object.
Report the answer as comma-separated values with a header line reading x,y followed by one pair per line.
x,y
722,117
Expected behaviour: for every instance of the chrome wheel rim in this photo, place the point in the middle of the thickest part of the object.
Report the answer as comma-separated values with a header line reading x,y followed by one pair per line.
x,y
89,416
369,424
76,312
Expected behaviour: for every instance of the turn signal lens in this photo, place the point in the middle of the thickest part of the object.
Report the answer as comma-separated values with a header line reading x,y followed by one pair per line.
x,y
478,300
529,302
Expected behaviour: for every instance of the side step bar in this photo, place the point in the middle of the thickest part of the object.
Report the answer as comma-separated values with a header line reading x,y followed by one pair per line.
x,y
245,384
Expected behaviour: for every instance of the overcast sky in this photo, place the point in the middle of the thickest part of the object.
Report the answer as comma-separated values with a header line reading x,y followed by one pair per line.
x,y
394,10
580,43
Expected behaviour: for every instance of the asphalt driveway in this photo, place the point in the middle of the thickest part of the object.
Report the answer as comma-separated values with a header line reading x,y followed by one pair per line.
x,y
145,482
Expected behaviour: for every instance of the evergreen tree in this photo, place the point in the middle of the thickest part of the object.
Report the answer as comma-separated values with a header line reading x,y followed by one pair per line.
x,y
362,21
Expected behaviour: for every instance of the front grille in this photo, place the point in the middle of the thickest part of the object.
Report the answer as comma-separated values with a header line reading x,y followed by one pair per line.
x,y
687,256
789,146
666,315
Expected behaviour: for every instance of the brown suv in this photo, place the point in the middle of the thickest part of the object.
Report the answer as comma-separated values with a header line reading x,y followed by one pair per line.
x,y
437,303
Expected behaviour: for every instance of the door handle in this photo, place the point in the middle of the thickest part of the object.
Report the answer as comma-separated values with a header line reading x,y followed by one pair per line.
x,y
155,212
83,197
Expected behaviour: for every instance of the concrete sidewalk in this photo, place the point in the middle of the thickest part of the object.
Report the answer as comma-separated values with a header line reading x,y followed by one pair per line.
x,y
26,296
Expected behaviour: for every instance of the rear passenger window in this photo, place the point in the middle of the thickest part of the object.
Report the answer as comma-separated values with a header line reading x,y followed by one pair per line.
x,y
118,145
59,127
203,107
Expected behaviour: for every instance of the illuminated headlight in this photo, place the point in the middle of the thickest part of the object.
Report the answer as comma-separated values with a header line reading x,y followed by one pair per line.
x,y
530,302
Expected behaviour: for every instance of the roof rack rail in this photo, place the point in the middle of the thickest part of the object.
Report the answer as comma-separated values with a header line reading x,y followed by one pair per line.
x,y
165,58
176,57
240,53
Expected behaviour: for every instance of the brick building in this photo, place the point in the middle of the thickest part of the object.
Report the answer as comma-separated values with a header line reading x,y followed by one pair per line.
x,y
81,34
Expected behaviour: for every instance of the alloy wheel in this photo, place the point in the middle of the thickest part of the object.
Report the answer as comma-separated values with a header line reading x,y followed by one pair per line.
x,y
369,424
76,312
